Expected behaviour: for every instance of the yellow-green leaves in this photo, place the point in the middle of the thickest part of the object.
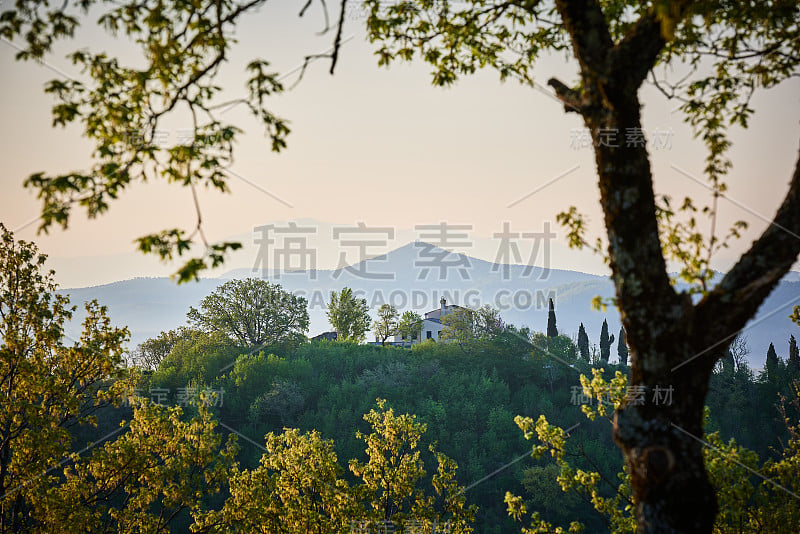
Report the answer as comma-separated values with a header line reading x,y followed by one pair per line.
x,y
158,467
616,507
299,486
48,383
296,488
136,477
123,107
753,497
607,394
394,466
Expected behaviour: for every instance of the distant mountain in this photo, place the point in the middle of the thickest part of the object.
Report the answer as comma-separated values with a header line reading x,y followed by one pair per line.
x,y
416,276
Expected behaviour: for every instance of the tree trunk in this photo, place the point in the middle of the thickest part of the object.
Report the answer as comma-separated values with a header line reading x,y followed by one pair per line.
x,y
661,441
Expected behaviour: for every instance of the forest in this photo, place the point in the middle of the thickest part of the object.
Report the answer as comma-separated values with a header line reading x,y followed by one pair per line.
x,y
199,430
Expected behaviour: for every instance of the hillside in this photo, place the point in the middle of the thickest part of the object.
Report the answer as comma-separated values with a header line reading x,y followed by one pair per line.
x,y
416,276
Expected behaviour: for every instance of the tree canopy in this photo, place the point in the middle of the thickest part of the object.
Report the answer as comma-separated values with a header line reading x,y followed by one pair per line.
x,y
47,385
410,326
468,327
348,315
253,313
298,485
141,475
122,106
147,467
150,353
385,325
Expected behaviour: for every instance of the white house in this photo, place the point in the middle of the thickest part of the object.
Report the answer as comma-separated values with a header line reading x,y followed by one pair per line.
x,y
431,323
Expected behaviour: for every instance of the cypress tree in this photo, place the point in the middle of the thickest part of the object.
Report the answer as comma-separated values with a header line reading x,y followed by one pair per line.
x,y
794,356
772,363
583,343
605,343
552,331
622,347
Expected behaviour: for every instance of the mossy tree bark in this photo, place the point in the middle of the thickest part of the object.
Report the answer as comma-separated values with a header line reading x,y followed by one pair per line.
x,y
673,342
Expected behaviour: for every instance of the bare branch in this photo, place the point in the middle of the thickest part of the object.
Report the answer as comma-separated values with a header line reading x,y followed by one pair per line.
x,y
337,42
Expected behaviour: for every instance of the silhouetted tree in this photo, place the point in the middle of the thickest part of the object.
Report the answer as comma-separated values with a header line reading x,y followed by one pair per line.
x,y
773,363
605,343
552,330
583,343
622,347
794,356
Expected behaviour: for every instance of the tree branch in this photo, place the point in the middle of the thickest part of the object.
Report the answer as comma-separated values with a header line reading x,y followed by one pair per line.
x,y
337,42
728,307
625,177
570,97
636,53
591,41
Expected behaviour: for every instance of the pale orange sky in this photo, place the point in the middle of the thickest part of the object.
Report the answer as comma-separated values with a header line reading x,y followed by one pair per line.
x,y
378,146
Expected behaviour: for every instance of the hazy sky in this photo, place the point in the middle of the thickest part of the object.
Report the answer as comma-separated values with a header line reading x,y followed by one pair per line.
x,y
378,146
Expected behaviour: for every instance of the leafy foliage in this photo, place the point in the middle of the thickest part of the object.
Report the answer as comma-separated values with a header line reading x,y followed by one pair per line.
x,y
394,468
410,326
298,488
470,328
121,109
753,497
47,386
140,482
348,315
168,466
53,394
253,313
729,52
385,325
